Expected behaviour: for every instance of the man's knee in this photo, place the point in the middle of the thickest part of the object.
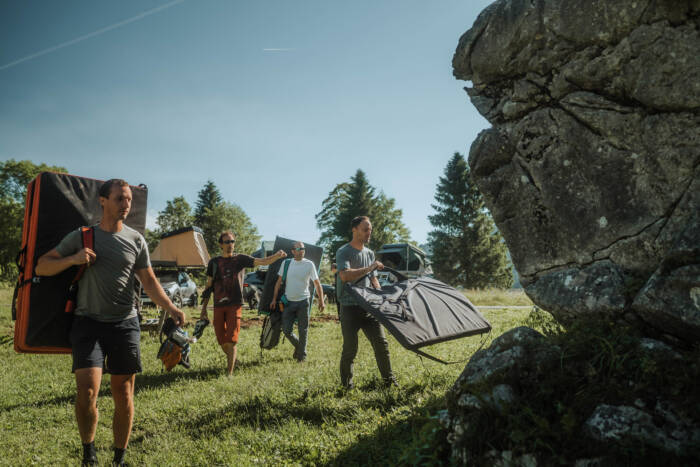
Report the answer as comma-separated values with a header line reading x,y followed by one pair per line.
x,y
122,388
87,394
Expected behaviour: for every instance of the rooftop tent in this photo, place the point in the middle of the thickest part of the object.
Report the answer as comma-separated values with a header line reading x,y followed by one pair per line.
x,y
405,258
313,253
56,204
181,248
420,312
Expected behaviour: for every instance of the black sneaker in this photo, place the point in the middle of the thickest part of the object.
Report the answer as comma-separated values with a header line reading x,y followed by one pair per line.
x,y
89,455
388,383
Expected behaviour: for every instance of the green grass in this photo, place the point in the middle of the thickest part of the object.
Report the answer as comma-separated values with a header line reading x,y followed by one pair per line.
x,y
272,411
498,297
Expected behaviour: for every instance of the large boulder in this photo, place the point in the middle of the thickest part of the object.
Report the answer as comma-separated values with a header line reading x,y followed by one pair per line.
x,y
601,397
591,166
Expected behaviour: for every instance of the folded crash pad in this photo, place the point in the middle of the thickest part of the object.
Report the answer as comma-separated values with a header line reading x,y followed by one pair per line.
x,y
420,312
56,204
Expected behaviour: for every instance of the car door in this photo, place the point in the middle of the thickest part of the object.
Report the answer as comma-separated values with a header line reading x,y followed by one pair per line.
x,y
183,282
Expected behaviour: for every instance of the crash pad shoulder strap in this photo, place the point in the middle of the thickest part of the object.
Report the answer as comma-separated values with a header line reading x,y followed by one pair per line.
x,y
285,267
87,235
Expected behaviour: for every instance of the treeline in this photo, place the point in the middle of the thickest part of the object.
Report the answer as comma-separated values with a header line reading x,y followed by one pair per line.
x,y
465,246
213,215
14,178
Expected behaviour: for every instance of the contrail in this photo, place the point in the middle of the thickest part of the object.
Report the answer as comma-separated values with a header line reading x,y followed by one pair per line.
x,y
92,34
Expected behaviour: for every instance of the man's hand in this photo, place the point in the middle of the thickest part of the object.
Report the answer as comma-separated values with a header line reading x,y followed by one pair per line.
x,y
321,306
178,316
377,265
84,256
281,254
273,305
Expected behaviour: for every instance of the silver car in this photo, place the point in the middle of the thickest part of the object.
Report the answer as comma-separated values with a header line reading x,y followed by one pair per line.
x,y
178,286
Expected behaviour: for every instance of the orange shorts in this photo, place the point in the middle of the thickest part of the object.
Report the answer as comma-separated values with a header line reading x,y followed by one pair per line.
x,y
227,323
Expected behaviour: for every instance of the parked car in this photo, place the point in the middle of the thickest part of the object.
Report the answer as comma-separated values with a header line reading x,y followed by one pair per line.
x,y
253,287
178,286
329,292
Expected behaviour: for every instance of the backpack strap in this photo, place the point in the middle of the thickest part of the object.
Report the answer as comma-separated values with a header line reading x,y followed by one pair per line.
x,y
87,235
287,262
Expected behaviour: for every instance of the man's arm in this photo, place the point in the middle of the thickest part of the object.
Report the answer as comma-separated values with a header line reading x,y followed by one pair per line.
x,y
278,284
52,263
154,290
319,292
350,275
375,282
205,298
269,259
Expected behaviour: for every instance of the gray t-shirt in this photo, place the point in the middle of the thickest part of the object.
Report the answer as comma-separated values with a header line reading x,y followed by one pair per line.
x,y
106,290
349,257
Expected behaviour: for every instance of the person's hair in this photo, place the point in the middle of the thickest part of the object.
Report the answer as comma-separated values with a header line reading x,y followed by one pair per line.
x,y
357,221
224,233
106,187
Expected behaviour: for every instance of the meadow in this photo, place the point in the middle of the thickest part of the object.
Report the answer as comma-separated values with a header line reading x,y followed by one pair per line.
x,y
272,411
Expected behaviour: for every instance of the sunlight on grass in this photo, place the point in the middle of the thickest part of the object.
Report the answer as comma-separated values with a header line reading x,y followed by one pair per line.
x,y
273,410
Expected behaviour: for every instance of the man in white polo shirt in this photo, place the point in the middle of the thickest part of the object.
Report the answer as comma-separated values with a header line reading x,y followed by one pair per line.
x,y
296,290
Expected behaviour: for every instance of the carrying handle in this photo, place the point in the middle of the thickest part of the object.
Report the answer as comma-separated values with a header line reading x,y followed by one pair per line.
x,y
393,271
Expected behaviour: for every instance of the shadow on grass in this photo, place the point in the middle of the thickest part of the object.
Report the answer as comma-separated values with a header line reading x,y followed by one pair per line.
x,y
262,413
147,381
58,400
388,443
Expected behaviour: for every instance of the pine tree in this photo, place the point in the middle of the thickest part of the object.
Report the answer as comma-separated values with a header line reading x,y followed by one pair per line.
x,y
208,197
467,248
358,198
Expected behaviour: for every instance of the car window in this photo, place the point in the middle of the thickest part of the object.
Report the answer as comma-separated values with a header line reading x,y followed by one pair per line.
x,y
167,277
393,260
414,261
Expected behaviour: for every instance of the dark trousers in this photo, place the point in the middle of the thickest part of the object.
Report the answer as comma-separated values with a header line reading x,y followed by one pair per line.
x,y
352,319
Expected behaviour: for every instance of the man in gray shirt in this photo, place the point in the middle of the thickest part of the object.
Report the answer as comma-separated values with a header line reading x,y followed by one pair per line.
x,y
105,335
355,262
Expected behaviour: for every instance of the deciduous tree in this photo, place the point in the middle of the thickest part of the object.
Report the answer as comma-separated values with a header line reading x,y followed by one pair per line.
x,y
228,216
14,178
176,215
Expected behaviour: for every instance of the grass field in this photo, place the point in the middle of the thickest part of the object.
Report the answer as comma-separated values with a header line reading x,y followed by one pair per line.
x,y
272,411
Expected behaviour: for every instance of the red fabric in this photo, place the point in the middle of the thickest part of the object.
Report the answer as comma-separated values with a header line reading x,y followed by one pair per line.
x,y
227,323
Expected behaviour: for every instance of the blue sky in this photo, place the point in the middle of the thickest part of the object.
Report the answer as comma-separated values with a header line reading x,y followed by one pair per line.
x,y
275,101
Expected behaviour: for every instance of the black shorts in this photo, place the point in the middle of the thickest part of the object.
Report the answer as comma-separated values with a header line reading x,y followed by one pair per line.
x,y
114,347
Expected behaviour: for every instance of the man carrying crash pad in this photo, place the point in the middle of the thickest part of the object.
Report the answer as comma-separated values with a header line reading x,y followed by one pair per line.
x,y
225,279
356,262
105,335
296,292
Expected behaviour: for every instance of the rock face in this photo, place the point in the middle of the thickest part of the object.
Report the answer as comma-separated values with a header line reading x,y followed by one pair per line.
x,y
506,390
591,168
